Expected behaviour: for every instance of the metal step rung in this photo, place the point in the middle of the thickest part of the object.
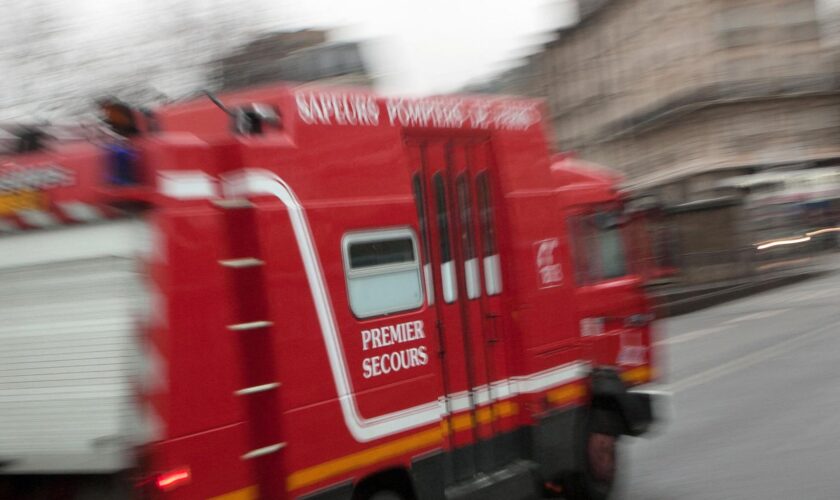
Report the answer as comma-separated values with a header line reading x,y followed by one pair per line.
x,y
257,389
233,203
254,325
241,263
259,452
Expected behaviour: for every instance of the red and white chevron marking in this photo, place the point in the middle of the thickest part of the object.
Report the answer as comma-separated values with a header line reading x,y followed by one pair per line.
x,y
61,213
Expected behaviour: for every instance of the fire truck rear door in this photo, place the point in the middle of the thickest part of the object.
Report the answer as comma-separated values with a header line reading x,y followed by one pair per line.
x,y
443,180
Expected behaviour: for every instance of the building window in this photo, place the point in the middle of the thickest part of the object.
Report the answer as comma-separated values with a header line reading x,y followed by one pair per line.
x,y
383,272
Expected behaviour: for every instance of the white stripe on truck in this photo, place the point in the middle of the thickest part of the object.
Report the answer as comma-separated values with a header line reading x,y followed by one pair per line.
x,y
247,182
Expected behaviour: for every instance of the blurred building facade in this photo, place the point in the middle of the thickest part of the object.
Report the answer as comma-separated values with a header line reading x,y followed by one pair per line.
x,y
678,94
524,79
688,99
300,56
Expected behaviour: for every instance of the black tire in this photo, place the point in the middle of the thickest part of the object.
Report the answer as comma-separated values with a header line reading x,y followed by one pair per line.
x,y
598,452
386,495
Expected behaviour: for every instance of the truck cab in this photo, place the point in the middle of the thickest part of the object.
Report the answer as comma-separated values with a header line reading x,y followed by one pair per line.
x,y
614,315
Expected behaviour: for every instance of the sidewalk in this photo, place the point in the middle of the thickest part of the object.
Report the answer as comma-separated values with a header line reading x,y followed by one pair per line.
x,y
673,300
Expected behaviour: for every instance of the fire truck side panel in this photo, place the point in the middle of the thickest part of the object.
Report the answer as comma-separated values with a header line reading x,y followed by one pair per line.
x,y
310,394
202,355
335,204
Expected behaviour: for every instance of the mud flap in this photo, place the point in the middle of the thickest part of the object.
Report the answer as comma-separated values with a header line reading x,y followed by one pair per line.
x,y
635,408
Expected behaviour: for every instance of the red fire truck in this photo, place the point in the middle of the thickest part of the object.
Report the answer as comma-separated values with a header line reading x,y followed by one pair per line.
x,y
304,292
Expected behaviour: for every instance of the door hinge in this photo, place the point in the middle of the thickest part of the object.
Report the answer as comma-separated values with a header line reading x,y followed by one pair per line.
x,y
439,326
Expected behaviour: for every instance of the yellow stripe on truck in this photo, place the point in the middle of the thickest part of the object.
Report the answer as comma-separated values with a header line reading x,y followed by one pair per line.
x,y
249,493
371,456
364,458
638,375
566,394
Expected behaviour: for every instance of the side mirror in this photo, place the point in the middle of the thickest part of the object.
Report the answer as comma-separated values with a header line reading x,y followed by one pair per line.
x,y
255,118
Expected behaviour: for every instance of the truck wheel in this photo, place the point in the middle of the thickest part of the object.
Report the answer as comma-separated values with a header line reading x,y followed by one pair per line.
x,y
386,495
599,455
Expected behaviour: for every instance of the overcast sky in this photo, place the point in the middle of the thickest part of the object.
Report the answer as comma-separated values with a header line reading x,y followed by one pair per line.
x,y
55,55
436,45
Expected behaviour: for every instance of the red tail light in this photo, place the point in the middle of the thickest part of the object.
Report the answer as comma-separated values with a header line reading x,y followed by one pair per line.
x,y
172,479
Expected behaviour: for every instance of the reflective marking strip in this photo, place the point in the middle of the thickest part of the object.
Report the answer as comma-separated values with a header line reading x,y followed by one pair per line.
x,y
260,452
483,415
459,401
638,375
37,218
254,325
415,442
492,275
458,423
186,184
249,493
566,394
448,282
473,278
553,377
241,263
430,284
233,204
500,410
370,456
81,212
257,389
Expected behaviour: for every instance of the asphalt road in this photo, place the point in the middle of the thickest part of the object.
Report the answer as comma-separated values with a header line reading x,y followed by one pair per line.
x,y
756,402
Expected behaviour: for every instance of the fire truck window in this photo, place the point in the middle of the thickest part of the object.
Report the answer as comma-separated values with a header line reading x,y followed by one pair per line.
x,y
464,207
381,252
598,248
442,218
447,268
610,246
383,272
473,278
492,266
420,202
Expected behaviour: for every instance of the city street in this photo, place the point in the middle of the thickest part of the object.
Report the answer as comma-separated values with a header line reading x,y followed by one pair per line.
x,y
756,386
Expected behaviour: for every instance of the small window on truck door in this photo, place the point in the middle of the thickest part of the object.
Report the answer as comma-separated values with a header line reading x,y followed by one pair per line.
x,y
419,200
383,272
447,266
492,266
471,272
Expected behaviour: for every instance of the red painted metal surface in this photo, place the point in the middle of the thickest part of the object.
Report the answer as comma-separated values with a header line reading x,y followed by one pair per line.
x,y
344,161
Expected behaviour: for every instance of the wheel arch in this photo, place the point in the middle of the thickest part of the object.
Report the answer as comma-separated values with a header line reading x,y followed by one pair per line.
x,y
395,479
609,393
